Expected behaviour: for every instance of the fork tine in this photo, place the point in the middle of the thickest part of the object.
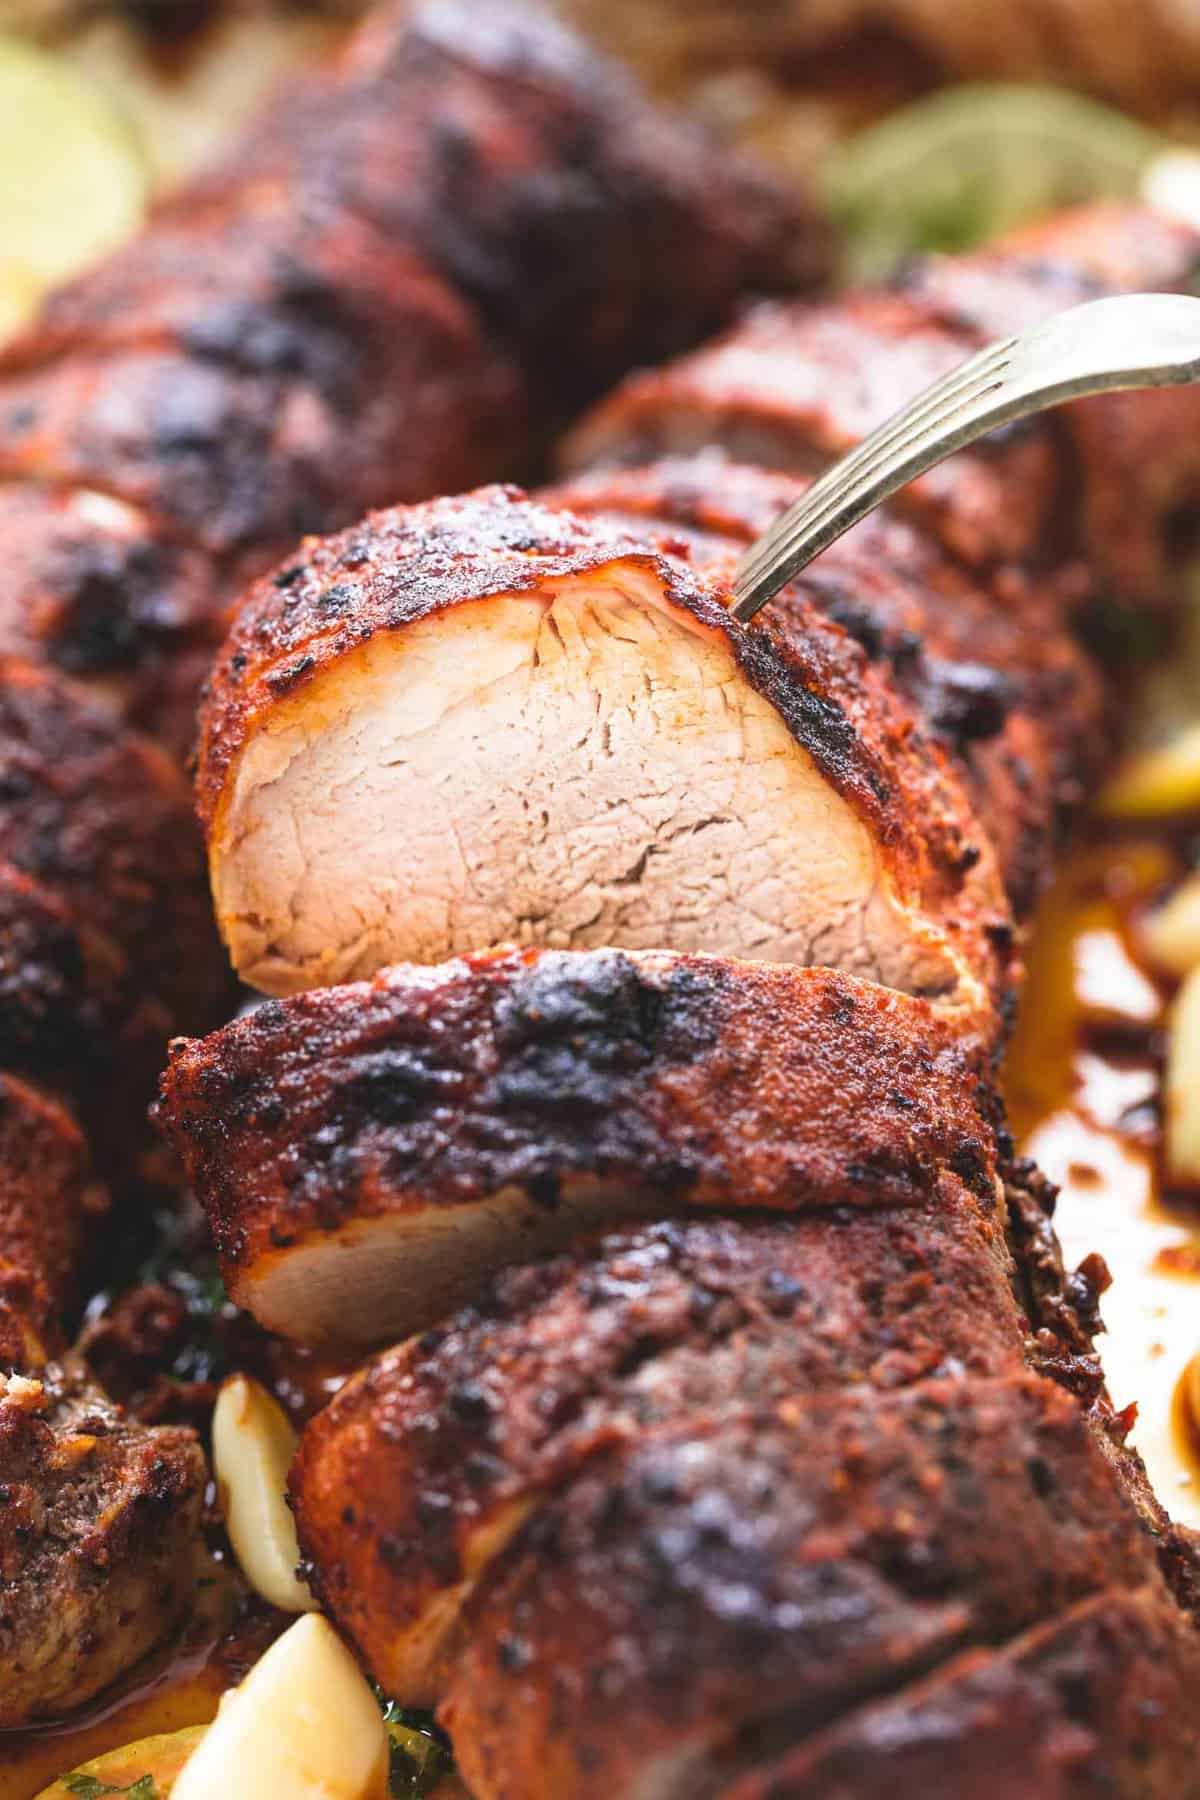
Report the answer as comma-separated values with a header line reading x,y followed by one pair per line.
x,y
950,389
902,431
815,508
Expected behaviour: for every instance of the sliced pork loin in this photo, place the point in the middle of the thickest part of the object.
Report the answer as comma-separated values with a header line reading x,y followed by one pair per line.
x,y
762,1570
368,1153
1096,1705
792,386
447,1443
989,664
482,721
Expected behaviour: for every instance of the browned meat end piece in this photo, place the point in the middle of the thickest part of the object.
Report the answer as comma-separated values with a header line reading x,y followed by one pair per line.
x,y
700,1583
98,1531
48,1190
92,587
538,730
431,1458
1096,1705
990,666
368,1153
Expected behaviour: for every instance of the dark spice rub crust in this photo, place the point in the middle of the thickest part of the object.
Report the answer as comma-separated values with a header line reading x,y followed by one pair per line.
x,y
710,1578
1096,1705
520,1095
446,1442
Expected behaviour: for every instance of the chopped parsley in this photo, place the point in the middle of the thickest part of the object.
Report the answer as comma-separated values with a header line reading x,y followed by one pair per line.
x,y
90,1787
420,1753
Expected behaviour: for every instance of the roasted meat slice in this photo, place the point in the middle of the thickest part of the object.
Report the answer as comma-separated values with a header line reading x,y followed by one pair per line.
x,y
98,1533
990,666
482,722
1095,1705
447,1443
698,1584
366,1154
791,387
48,1190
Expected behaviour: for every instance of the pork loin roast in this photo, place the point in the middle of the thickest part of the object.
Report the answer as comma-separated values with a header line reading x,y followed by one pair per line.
x,y
409,272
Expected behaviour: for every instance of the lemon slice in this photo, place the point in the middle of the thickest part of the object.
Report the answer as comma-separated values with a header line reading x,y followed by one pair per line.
x,y
974,161
73,180
145,1770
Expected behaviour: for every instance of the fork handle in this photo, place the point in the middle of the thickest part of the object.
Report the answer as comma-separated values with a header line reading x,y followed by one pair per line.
x,y
1124,342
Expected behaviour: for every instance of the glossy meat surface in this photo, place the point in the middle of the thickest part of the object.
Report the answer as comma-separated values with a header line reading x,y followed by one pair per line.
x,y
1093,1706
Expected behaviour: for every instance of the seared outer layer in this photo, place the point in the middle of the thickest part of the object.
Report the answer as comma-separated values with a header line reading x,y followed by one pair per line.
x,y
446,1441
989,664
1097,1705
407,564
718,1574
692,1079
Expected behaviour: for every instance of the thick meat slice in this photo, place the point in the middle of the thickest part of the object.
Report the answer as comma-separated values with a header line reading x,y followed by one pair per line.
x,y
1097,1705
368,1153
1137,466
98,1531
991,667
446,1443
706,1580
791,387
99,816
482,721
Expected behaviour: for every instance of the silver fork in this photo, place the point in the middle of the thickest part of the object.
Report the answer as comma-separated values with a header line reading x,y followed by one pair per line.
x,y
1131,341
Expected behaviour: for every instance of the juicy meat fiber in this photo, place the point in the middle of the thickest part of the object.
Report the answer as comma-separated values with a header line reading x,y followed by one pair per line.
x,y
482,721
98,1528
367,1153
